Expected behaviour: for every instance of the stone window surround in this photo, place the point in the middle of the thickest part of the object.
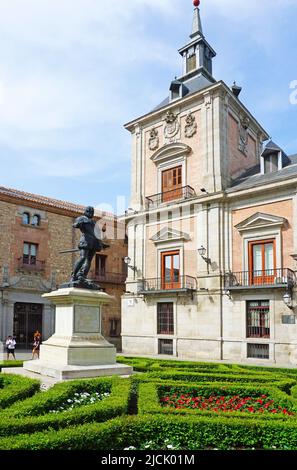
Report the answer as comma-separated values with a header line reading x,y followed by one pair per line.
x,y
262,234
170,247
172,337
254,297
31,212
178,161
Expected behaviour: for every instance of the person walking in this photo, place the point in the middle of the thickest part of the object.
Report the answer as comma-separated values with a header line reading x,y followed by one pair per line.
x,y
10,346
36,344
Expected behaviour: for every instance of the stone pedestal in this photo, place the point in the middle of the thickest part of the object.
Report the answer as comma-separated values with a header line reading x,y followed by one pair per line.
x,y
77,349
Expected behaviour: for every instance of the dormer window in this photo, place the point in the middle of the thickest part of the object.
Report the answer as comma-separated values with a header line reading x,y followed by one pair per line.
x,y
191,63
175,94
272,159
270,163
177,90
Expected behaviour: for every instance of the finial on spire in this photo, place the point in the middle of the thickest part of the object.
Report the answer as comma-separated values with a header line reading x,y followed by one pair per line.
x,y
197,24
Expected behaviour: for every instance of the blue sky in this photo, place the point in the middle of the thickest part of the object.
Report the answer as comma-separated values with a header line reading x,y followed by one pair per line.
x,y
72,72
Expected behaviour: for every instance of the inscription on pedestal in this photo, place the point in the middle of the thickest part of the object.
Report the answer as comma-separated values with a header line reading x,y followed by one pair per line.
x,y
87,319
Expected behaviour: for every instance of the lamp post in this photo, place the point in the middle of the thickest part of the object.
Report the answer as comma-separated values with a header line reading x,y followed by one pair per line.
x,y
287,298
202,253
127,261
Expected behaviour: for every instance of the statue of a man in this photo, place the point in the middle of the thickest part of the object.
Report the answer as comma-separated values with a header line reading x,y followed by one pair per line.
x,y
88,246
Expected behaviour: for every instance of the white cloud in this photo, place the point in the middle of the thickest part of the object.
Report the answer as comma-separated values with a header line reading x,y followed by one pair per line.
x,y
70,69
45,43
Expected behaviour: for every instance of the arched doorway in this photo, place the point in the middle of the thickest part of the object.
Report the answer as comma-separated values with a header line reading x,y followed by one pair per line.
x,y
26,320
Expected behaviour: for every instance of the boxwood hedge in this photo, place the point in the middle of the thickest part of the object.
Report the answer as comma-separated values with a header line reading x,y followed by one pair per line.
x,y
185,431
6,364
15,388
149,399
105,425
33,414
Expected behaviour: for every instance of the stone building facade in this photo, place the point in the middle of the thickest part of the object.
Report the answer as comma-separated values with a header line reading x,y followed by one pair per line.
x,y
213,238
34,230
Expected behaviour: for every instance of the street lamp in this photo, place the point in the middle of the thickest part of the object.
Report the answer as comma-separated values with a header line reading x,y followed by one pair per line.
x,y
127,261
287,298
202,253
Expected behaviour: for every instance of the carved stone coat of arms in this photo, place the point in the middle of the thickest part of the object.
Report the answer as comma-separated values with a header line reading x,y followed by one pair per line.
x,y
191,126
172,125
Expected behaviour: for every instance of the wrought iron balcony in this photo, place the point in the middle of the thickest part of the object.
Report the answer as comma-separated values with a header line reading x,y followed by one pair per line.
x,y
169,197
284,278
31,264
109,278
157,285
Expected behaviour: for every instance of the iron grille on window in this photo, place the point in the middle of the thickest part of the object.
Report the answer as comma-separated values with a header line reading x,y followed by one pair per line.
x,y
166,346
258,351
165,319
258,319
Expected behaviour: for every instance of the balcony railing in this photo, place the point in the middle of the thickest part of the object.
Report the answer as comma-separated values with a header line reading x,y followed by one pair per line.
x,y
110,278
183,284
168,197
254,279
32,265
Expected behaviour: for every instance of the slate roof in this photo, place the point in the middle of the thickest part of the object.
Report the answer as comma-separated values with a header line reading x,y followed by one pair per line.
x,y
46,201
252,177
272,146
197,83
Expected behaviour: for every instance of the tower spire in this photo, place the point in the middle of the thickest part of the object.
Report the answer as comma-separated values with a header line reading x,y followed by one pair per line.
x,y
197,53
197,23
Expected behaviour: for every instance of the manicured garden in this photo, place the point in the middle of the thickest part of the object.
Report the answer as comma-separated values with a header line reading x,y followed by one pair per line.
x,y
164,405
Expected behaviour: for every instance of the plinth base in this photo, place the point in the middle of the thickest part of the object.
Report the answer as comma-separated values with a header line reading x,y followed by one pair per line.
x,y
77,349
76,372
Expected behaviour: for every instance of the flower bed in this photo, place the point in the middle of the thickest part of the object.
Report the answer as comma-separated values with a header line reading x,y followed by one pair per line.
x,y
80,399
33,415
229,403
153,397
174,405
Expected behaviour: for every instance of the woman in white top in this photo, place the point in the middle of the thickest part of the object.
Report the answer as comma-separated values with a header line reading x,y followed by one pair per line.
x,y
10,346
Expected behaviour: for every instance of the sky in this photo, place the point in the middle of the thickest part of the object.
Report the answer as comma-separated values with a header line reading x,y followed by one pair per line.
x,y
73,72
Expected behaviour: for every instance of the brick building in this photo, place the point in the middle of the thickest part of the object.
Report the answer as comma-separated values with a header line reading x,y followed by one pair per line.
x,y
34,229
213,239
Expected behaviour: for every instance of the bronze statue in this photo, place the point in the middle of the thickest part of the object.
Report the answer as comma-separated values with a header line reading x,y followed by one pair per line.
x,y
88,246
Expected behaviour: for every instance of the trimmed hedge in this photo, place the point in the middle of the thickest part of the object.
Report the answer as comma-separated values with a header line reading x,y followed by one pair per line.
x,y
30,417
141,364
149,400
16,388
144,364
6,364
187,432
105,425
284,384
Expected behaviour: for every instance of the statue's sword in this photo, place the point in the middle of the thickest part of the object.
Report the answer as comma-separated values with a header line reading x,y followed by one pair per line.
x,y
73,250
77,250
